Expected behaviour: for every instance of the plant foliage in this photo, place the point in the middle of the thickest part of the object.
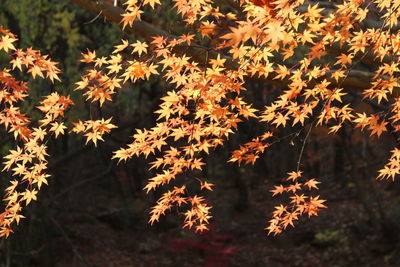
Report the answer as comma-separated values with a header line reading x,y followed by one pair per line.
x,y
289,43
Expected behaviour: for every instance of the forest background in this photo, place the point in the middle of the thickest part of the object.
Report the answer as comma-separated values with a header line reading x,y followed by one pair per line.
x,y
95,211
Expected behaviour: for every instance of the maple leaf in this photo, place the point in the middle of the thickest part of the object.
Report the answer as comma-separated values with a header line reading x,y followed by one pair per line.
x,y
36,70
88,57
312,183
280,120
6,43
29,195
206,185
41,179
130,16
317,203
378,128
39,133
121,47
282,72
293,176
57,128
139,47
362,121
298,199
344,59
12,187
278,190
275,32
152,3
218,62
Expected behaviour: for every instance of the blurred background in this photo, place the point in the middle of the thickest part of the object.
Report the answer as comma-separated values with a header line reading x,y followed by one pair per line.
x,y
94,212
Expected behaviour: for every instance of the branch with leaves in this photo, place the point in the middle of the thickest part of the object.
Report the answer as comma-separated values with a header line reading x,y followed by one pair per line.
x,y
287,43
358,79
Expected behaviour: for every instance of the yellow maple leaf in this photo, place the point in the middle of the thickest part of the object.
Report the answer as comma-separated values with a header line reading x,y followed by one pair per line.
x,y
139,47
58,128
6,43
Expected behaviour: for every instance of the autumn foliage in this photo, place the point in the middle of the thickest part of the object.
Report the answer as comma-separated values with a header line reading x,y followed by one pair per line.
x,y
288,43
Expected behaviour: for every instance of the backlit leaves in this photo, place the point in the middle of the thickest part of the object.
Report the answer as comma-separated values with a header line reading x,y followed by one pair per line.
x,y
205,104
301,202
285,42
27,163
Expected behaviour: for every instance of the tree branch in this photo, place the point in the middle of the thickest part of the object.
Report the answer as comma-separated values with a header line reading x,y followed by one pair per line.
x,y
355,80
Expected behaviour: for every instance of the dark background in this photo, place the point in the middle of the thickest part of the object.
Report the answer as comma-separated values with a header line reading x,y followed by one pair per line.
x,y
94,212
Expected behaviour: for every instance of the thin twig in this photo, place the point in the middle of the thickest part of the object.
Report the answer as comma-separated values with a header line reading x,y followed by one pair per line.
x,y
30,252
337,88
82,182
83,262
95,18
303,146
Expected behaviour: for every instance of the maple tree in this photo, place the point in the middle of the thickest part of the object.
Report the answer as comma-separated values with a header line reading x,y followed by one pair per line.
x,y
284,42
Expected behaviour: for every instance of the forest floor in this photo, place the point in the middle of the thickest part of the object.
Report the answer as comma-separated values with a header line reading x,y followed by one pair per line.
x,y
341,235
